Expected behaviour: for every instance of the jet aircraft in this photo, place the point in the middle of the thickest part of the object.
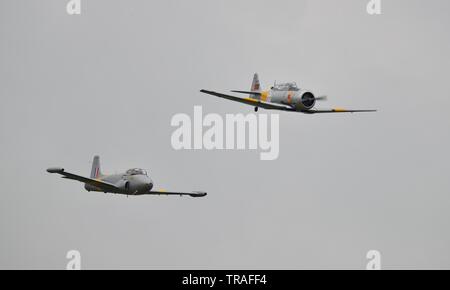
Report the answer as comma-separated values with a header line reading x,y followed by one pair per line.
x,y
284,96
132,182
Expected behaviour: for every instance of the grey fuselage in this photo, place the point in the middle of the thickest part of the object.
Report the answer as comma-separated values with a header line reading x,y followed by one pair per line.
x,y
289,94
132,182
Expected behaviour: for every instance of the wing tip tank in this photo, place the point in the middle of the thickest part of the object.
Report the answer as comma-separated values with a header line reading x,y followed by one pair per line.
x,y
55,170
198,194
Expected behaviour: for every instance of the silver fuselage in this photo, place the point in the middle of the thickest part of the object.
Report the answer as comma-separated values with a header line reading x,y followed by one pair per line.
x,y
299,99
128,184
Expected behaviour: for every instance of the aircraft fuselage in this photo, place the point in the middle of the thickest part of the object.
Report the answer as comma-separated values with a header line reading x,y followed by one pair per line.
x,y
128,184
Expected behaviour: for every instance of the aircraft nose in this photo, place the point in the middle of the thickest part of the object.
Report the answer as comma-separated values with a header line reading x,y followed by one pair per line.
x,y
150,185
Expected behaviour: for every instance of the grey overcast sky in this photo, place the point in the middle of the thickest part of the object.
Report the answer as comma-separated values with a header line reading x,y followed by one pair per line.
x,y
108,82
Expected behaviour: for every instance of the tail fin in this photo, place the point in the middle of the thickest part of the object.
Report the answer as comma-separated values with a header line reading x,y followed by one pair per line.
x,y
256,87
95,171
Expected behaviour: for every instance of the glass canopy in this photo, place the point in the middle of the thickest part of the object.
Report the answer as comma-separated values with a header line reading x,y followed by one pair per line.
x,y
286,87
136,171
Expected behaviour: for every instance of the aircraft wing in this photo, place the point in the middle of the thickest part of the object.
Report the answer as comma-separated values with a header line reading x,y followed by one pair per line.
x,y
162,192
276,106
336,110
251,102
94,182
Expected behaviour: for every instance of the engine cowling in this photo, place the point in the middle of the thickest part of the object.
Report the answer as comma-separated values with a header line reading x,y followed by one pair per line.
x,y
305,101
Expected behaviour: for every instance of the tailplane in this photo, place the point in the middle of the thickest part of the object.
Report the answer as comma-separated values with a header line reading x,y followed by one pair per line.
x,y
95,171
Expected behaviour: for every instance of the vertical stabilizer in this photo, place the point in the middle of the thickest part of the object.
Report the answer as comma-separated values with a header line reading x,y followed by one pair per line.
x,y
256,87
95,171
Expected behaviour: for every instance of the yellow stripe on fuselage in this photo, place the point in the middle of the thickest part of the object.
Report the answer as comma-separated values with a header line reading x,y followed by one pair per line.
x,y
264,96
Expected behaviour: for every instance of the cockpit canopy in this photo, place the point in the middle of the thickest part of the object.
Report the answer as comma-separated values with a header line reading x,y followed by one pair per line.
x,y
136,171
286,87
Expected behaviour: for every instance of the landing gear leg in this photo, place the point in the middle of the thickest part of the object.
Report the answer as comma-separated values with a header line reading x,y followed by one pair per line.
x,y
256,109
